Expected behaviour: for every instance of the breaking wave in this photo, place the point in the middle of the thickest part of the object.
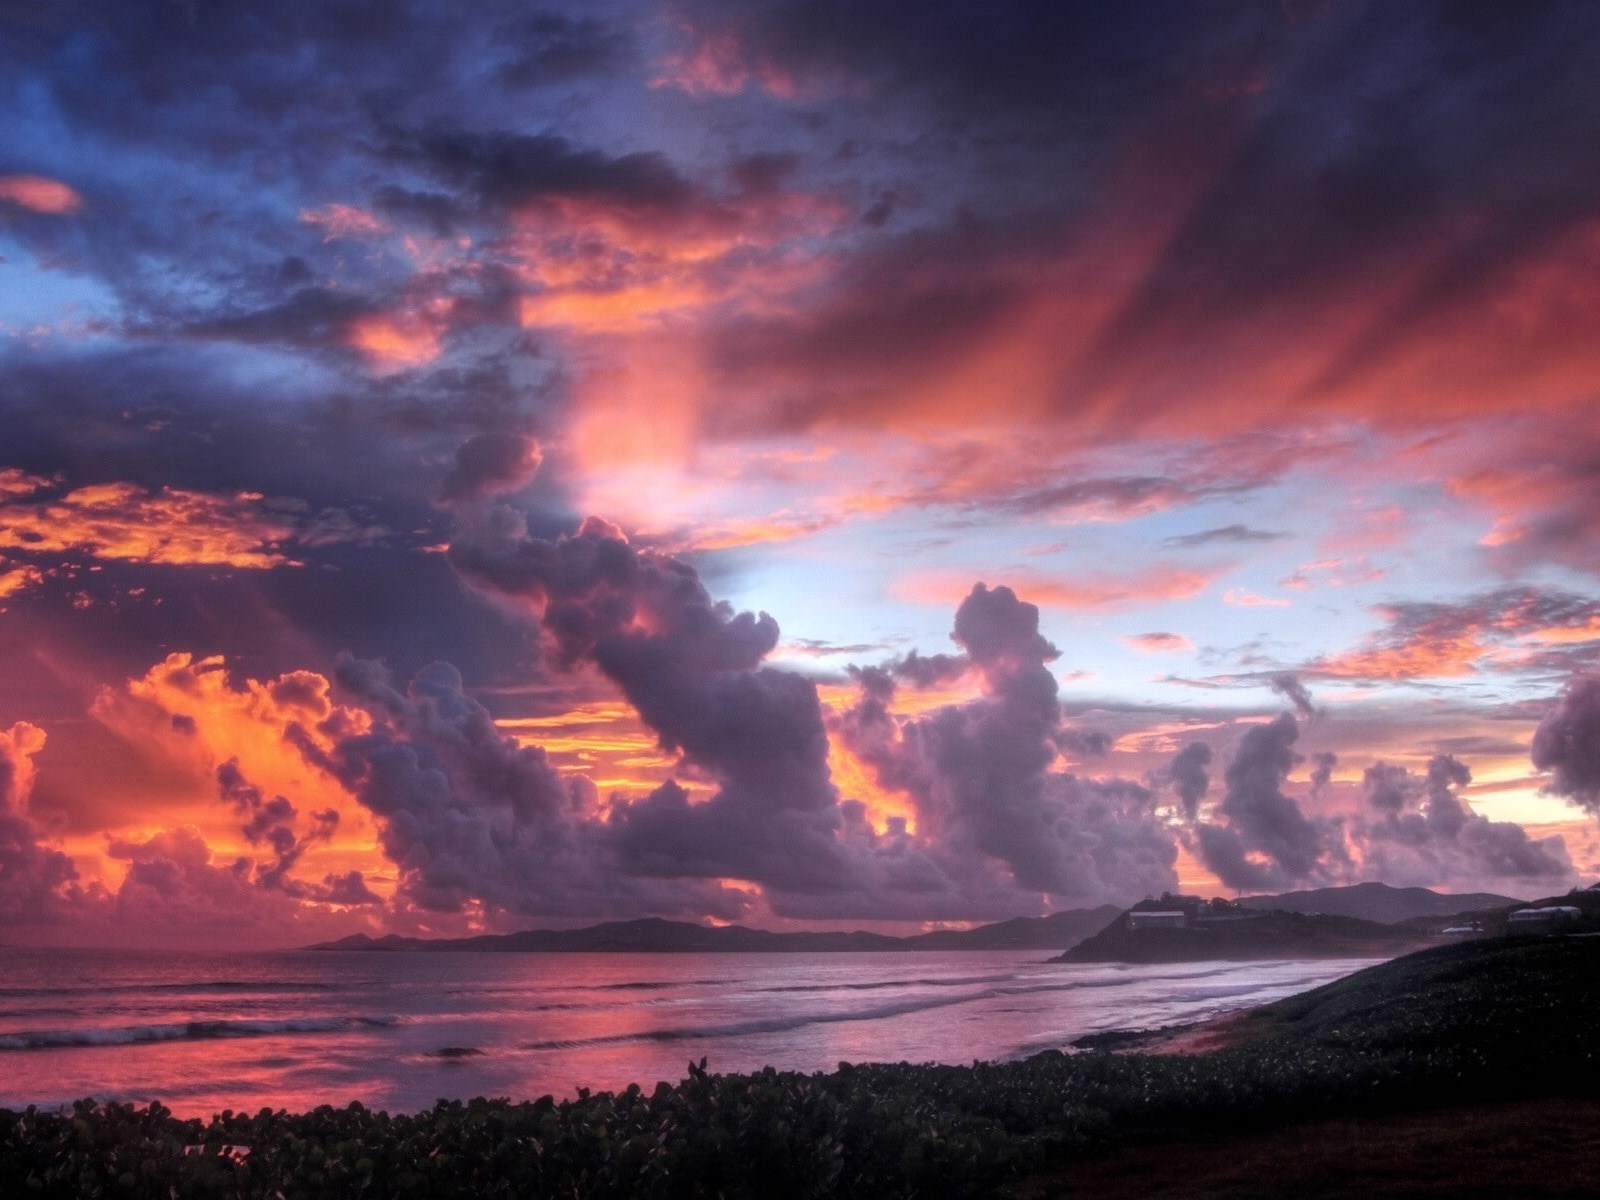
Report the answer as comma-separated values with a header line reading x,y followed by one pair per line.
x,y
184,1031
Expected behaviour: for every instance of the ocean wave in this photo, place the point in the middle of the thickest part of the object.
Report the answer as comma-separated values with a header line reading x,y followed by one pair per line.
x,y
183,1031
760,1025
880,984
1004,986
202,985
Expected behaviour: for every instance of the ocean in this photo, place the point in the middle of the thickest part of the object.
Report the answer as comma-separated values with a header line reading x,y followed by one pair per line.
x,y
204,1032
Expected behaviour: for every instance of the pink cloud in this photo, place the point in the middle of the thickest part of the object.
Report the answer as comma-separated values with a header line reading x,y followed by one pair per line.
x,y
1159,643
1244,598
40,195
343,221
1154,585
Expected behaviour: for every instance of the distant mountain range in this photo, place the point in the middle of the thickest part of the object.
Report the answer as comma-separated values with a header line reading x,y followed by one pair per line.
x,y
653,935
1379,902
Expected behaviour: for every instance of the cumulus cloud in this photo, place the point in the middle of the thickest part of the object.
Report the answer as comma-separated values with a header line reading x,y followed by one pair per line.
x,y
1264,839
1567,743
171,895
33,877
176,894
490,463
692,668
470,817
981,775
1424,832
1188,776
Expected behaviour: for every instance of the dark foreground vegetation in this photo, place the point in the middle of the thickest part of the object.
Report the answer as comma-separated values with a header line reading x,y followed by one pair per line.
x,y
1493,1021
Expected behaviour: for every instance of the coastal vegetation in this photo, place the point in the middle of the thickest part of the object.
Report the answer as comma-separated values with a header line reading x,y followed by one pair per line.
x,y
1497,1020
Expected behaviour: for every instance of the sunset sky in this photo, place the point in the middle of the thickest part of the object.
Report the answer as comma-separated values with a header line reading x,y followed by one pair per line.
x,y
804,464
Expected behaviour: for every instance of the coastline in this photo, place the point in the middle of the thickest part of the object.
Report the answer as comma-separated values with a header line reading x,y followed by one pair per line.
x,y
1226,1031
1499,1030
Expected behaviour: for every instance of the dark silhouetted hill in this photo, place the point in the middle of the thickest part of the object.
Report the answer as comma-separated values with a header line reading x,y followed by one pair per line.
x,y
653,935
1379,902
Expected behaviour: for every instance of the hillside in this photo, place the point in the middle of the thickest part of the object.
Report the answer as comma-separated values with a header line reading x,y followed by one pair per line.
x,y
1262,935
652,935
1379,902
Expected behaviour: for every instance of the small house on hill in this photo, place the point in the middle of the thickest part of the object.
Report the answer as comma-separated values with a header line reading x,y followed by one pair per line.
x,y
1536,920
1157,918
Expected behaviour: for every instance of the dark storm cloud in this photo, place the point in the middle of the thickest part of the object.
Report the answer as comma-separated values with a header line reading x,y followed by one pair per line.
x,y
1345,175
549,47
1085,743
1267,840
506,170
1567,744
929,670
466,814
1188,776
1296,693
491,462
692,668
1225,535
1351,177
1425,832
334,462
312,316
985,67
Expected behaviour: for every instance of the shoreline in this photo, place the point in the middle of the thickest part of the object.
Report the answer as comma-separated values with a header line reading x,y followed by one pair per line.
x,y
1495,1037
1227,1031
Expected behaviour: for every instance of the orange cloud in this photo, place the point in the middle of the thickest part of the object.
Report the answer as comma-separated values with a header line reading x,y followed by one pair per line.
x,y
395,341
14,483
857,781
1504,630
758,531
172,526
612,311
604,740
16,580
187,716
40,195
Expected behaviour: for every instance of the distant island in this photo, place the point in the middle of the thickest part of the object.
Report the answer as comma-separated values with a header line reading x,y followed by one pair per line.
x,y
1191,929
